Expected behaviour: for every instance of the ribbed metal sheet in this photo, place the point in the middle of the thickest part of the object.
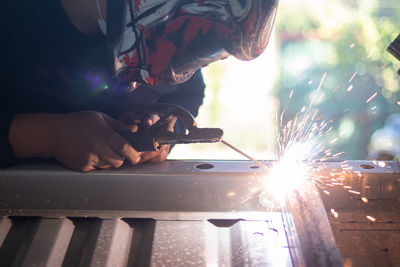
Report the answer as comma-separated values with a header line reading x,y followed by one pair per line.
x,y
34,241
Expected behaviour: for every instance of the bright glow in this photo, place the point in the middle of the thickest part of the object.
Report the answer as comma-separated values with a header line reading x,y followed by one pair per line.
x,y
285,177
291,171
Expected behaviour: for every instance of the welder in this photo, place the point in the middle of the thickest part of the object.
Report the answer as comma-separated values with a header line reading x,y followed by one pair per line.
x,y
66,67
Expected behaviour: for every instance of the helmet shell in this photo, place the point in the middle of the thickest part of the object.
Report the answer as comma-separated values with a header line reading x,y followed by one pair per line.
x,y
165,41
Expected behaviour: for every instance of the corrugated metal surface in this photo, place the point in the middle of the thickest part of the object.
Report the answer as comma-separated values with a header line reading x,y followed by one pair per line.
x,y
35,241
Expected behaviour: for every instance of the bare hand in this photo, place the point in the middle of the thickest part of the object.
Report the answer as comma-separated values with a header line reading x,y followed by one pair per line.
x,y
81,141
89,140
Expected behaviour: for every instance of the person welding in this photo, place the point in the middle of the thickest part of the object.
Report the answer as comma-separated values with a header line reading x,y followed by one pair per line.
x,y
67,65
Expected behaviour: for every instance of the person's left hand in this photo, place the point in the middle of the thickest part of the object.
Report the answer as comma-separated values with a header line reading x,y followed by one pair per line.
x,y
130,118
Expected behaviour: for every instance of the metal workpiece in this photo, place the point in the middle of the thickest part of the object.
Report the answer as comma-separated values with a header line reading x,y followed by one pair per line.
x,y
308,230
198,213
363,208
172,186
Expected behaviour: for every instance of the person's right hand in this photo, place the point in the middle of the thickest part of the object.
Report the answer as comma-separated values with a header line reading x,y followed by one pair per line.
x,y
82,141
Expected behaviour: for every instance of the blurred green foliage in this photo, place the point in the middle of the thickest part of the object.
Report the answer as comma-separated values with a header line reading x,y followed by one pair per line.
x,y
347,41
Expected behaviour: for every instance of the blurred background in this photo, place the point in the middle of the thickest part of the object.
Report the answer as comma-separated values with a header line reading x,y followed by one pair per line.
x,y
343,41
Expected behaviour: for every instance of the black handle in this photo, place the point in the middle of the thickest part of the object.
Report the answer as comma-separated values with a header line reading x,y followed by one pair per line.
x,y
140,142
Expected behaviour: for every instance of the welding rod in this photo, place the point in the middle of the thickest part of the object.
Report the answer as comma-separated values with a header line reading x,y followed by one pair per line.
x,y
244,154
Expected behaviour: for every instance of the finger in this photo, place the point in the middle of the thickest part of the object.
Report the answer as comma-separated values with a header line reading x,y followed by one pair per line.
x,y
146,156
110,159
122,148
102,165
152,119
162,155
90,164
171,123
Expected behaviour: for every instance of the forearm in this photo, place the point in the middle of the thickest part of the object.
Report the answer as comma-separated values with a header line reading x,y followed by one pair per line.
x,y
29,134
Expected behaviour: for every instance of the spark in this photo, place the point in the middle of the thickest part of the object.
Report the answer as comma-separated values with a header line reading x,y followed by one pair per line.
x,y
373,108
352,45
337,87
382,164
372,219
383,66
364,199
335,213
352,77
322,81
354,192
380,36
300,144
350,88
371,53
398,102
326,192
333,140
291,94
231,194
372,97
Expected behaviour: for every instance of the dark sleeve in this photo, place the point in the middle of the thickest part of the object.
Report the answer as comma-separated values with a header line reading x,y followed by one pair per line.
x,y
188,95
6,153
7,156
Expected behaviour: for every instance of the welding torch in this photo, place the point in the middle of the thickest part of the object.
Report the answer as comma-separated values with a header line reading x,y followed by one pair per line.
x,y
153,137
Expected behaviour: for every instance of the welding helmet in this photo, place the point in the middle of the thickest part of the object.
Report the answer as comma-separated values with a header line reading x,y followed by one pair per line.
x,y
165,41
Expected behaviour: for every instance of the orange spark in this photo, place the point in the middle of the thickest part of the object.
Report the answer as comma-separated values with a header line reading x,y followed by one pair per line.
x,y
364,199
335,213
350,88
231,194
333,141
352,77
372,219
372,97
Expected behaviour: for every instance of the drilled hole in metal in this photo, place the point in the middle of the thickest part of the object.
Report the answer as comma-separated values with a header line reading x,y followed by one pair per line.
x,y
254,167
366,166
224,222
204,166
